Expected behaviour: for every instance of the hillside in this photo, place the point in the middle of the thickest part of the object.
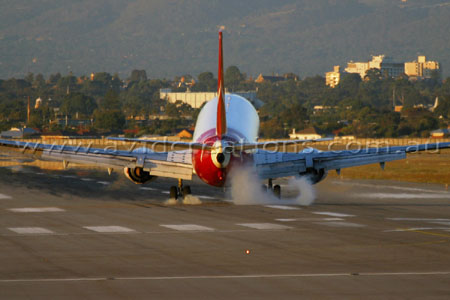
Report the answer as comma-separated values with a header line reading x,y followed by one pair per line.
x,y
174,37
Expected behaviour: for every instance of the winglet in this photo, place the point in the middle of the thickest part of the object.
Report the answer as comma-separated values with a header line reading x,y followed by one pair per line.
x,y
221,126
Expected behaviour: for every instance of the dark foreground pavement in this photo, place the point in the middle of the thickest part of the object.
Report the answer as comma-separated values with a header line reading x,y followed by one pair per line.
x,y
84,235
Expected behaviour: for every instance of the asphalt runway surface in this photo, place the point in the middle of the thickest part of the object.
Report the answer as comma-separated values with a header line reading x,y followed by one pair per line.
x,y
81,234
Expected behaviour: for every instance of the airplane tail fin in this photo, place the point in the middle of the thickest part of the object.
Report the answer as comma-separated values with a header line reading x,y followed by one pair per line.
x,y
221,126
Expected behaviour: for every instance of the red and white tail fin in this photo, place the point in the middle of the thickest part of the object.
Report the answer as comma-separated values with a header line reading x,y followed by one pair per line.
x,y
221,126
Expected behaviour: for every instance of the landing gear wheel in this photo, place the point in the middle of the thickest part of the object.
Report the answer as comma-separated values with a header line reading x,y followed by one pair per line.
x,y
186,190
277,191
173,192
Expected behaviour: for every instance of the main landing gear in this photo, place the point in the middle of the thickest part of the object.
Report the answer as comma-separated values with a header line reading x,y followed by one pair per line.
x,y
275,189
179,191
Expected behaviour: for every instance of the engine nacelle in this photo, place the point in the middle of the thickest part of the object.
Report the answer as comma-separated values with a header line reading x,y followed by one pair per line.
x,y
138,175
314,176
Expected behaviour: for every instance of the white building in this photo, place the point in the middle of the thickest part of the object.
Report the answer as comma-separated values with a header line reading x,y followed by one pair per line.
x,y
196,99
306,134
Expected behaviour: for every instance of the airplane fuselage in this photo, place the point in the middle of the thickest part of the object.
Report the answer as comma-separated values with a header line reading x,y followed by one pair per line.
x,y
242,126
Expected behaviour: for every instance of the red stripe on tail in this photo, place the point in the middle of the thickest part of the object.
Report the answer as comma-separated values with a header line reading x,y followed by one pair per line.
x,y
221,126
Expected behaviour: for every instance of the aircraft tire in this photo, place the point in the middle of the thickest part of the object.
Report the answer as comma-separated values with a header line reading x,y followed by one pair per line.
x,y
186,190
277,191
173,192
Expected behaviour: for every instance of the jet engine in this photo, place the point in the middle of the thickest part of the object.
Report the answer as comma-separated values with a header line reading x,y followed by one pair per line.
x,y
138,175
315,175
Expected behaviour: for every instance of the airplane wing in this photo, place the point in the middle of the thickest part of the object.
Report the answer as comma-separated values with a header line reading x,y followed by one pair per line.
x,y
311,161
174,164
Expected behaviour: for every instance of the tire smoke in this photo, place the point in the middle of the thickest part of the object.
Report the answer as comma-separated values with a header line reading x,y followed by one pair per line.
x,y
186,200
247,189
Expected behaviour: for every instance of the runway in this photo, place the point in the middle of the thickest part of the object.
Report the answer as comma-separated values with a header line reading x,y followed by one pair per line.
x,y
83,234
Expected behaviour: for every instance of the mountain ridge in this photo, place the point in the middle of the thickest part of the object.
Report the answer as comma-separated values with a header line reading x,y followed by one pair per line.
x,y
175,37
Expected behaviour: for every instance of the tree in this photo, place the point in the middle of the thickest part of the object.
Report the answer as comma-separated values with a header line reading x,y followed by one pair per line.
x,y
349,84
206,82
112,120
111,101
138,75
373,74
78,103
233,77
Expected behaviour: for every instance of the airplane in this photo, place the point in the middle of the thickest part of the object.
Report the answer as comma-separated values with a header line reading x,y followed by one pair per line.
x,y
225,139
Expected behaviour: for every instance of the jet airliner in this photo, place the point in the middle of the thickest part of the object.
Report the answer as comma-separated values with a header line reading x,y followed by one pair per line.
x,y
225,138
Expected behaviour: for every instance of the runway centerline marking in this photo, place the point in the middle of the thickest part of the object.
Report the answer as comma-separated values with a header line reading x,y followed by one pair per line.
x,y
187,227
244,276
30,230
332,214
36,209
265,226
109,229
283,207
3,196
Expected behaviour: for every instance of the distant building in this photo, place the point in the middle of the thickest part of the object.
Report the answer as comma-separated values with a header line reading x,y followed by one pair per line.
x,y
185,134
19,133
333,78
440,133
398,108
421,68
263,78
306,134
196,99
385,64
358,68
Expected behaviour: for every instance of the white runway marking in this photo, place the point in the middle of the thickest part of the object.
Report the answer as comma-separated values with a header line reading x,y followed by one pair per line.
x,y
442,223
104,182
145,188
416,229
188,227
284,207
286,220
244,276
30,230
403,196
340,224
109,229
332,214
3,196
165,192
390,187
87,179
309,219
265,226
206,197
36,209
419,219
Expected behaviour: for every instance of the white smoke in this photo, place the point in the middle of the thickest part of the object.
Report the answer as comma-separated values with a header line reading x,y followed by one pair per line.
x,y
191,200
186,200
246,189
